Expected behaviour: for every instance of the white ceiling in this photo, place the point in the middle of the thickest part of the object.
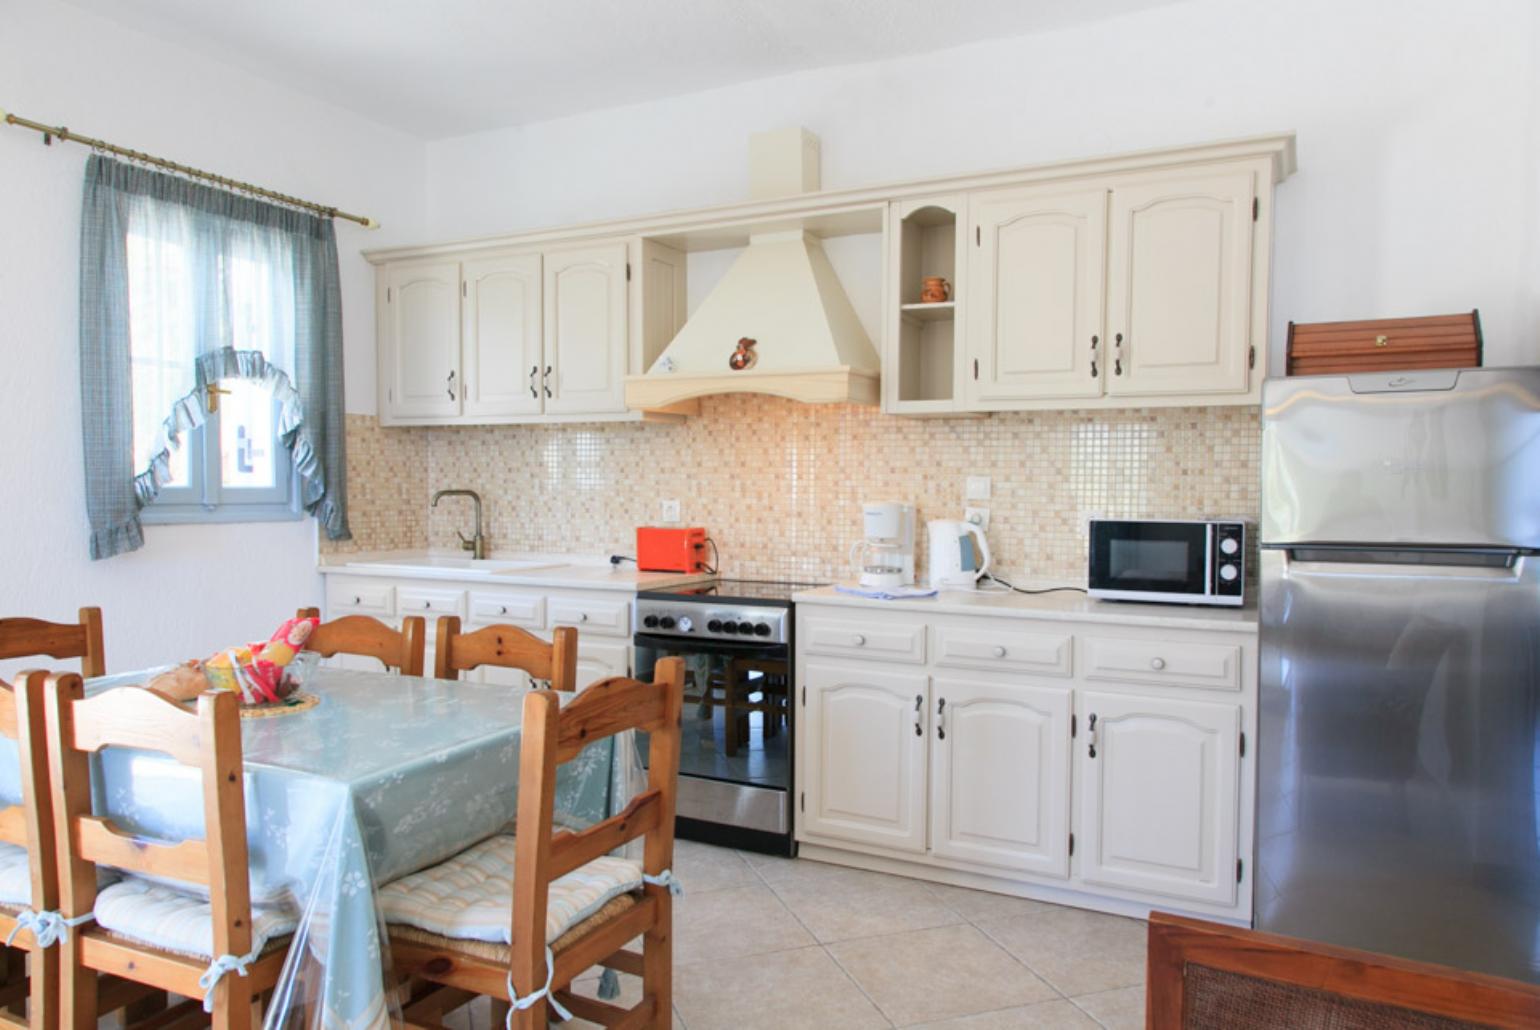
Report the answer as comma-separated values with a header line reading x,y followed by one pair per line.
x,y
438,68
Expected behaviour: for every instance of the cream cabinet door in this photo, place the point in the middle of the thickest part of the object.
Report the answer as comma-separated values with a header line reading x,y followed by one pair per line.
x,y
585,330
863,743
1179,285
1159,784
601,659
1035,322
422,340
502,342
1000,775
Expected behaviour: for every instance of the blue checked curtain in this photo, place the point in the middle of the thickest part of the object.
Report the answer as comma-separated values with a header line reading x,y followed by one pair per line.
x,y
211,285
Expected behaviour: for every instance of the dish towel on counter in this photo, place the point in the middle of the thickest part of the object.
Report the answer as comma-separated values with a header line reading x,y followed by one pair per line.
x,y
888,593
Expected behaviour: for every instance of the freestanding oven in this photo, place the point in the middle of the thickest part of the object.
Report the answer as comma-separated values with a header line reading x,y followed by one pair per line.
x,y
735,761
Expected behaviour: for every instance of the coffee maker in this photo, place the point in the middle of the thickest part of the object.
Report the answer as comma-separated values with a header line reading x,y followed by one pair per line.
x,y
884,556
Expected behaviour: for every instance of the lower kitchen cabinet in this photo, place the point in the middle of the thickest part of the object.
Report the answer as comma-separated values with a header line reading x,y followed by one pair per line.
x,y
863,755
1000,768
1159,785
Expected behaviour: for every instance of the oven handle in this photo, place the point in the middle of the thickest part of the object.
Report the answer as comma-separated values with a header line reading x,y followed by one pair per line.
x,y
694,646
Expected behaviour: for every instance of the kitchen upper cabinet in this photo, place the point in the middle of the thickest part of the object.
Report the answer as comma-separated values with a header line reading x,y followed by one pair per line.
x,y
1037,275
420,340
503,344
585,330
1179,285
1000,768
863,755
1159,795
507,338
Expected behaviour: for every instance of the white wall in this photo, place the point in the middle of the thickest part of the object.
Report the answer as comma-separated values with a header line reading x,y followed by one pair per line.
x,y
191,588
1418,151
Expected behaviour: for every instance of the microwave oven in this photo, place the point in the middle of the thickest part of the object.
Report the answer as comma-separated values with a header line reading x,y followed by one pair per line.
x,y
1167,560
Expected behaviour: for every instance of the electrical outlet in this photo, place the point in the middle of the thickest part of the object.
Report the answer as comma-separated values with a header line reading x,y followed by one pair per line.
x,y
976,489
670,510
978,516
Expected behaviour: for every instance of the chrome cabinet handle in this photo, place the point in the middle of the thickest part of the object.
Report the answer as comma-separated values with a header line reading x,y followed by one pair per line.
x,y
545,380
534,370
582,616
1095,347
503,610
858,640
1117,355
1157,664
1091,734
357,599
941,719
999,652
450,385
919,703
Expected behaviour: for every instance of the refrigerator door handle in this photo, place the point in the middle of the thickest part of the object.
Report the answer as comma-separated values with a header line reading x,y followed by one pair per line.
x,y
1426,560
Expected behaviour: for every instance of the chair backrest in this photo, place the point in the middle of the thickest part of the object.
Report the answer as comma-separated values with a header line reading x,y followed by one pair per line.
x,y
401,650
208,739
507,647
551,735
30,824
1203,975
29,638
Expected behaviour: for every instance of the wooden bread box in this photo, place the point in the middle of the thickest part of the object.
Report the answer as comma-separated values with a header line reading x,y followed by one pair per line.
x,y
1385,344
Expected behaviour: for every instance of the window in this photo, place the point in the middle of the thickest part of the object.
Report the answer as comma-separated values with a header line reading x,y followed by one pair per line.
x,y
233,467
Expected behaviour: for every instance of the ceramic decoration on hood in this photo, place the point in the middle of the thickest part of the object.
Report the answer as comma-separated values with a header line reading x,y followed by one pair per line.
x,y
959,554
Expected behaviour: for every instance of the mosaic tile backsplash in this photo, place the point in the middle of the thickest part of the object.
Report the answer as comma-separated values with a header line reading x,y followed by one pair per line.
x,y
778,485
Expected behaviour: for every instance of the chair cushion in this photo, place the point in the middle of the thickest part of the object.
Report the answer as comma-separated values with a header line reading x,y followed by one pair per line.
x,y
15,876
172,920
470,896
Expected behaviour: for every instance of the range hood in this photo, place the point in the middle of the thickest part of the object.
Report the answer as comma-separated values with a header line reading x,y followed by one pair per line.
x,y
779,322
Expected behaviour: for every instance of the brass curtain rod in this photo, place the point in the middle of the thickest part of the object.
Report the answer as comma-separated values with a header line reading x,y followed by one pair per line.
x,y
50,132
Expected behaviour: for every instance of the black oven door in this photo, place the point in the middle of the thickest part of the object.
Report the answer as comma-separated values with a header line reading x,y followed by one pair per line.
x,y
1165,560
735,762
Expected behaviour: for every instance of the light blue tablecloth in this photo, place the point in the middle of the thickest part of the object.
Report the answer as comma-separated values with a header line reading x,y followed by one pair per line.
x,y
387,775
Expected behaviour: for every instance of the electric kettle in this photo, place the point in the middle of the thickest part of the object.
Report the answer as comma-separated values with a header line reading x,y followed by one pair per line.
x,y
959,554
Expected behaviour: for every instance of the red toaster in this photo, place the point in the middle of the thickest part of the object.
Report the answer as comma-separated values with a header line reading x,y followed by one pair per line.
x,y
670,549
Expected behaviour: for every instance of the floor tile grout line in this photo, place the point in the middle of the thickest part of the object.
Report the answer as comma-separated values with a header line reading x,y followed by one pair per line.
x,y
851,977
1021,961
831,956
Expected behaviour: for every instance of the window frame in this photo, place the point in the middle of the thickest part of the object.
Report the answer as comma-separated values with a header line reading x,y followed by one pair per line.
x,y
205,497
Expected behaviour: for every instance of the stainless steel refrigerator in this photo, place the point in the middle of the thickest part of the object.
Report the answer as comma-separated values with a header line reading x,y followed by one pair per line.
x,y
1399,760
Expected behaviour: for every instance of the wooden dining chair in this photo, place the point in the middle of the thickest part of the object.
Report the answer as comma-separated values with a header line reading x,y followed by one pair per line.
x,y
400,650
143,930
1207,976
556,877
27,853
507,647
31,638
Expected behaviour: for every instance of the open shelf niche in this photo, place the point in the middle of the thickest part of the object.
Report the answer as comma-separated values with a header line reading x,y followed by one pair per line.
x,y
926,242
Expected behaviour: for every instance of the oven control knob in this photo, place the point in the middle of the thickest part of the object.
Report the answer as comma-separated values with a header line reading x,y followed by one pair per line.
x,y
746,628
715,625
667,622
650,621
729,626
686,624
1229,545
1228,573
762,629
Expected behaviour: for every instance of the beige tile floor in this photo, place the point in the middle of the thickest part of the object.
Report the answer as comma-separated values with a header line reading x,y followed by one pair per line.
x,y
777,943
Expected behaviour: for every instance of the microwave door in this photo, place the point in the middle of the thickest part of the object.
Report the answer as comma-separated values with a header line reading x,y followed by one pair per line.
x,y
1164,559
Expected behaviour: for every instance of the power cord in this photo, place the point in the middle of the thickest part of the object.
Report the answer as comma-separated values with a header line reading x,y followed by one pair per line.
x,y
715,558
616,559
1021,590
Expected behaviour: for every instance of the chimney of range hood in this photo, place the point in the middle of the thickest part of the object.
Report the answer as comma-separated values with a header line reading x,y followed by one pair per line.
x,y
782,294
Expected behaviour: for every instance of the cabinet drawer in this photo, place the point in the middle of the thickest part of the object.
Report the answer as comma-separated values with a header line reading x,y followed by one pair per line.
x,y
430,602
610,618
1046,654
360,597
887,641
1180,663
489,608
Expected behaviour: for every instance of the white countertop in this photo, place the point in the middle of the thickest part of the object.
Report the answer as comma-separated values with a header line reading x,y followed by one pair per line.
x,y
1073,607
561,571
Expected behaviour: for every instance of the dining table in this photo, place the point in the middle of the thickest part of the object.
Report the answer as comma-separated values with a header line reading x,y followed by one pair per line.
x,y
383,776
